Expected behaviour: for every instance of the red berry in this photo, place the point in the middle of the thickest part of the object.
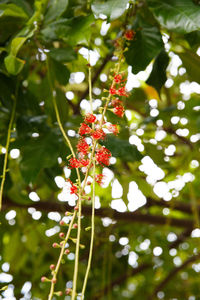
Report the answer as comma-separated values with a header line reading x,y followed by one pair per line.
x,y
113,128
73,189
75,226
116,102
62,223
67,251
61,235
118,78
74,163
84,129
98,134
83,146
99,178
84,162
119,111
129,34
53,280
68,291
43,279
103,156
52,267
55,245
113,91
90,118
122,91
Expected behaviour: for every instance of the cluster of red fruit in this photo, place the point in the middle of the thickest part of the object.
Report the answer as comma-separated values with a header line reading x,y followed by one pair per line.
x,y
118,89
95,129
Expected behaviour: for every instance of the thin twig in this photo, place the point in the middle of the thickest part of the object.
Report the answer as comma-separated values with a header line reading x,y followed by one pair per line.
x,y
14,97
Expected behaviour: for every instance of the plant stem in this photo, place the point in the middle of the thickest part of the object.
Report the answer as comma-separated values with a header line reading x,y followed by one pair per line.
x,y
79,182
59,120
79,206
7,148
92,236
77,249
55,272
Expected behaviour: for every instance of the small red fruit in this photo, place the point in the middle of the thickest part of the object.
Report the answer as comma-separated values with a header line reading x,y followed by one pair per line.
x,y
52,267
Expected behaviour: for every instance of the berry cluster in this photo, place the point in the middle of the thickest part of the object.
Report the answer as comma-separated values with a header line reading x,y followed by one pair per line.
x,y
90,153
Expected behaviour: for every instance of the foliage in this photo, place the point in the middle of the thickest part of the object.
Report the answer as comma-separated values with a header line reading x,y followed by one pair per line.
x,y
147,210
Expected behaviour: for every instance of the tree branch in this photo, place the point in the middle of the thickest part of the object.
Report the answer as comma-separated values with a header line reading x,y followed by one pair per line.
x,y
133,217
184,235
178,205
121,279
172,273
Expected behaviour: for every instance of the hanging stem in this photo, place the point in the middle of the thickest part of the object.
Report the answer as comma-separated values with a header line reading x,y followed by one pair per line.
x,y
79,204
93,201
92,236
7,147
79,182
55,272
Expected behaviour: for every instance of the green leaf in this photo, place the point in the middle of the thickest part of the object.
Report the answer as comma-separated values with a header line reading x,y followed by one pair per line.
x,y
191,61
193,39
59,72
158,74
13,64
177,15
62,105
72,31
113,9
146,45
56,9
80,30
63,54
56,30
16,45
12,10
122,149
37,154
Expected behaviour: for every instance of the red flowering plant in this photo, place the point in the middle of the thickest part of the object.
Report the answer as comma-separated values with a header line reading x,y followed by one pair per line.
x,y
89,159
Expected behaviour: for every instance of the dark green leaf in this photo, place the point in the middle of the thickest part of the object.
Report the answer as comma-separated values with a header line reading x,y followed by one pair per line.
x,y
24,5
158,75
62,105
63,54
56,30
193,39
177,15
191,61
12,10
113,9
80,30
37,154
7,88
59,72
146,45
73,31
56,9
122,149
